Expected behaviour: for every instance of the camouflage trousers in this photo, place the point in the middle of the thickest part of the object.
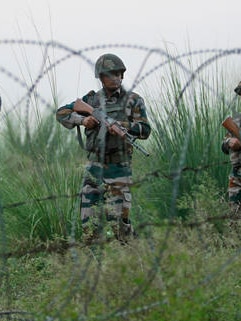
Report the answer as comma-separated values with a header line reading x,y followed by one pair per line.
x,y
234,189
234,193
106,196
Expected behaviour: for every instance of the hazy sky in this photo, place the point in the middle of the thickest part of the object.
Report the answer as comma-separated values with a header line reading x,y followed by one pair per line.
x,y
79,23
177,24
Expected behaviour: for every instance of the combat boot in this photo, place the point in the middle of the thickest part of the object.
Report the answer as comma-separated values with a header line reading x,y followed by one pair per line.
x,y
91,231
124,231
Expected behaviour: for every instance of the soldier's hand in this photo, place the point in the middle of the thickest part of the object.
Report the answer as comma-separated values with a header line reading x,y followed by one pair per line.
x,y
90,122
234,144
111,130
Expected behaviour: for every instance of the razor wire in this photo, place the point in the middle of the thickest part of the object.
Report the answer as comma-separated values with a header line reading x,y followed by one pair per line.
x,y
80,53
156,174
138,79
191,76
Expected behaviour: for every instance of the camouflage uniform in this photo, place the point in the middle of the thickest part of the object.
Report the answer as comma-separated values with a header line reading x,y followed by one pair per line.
x,y
106,185
234,186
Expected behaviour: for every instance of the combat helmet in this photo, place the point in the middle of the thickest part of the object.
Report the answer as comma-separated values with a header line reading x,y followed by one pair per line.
x,y
108,62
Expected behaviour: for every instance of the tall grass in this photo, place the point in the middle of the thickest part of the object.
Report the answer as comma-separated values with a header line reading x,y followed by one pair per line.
x,y
184,266
37,172
47,162
186,143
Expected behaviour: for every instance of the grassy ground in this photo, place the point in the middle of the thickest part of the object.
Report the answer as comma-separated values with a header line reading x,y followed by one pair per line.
x,y
175,274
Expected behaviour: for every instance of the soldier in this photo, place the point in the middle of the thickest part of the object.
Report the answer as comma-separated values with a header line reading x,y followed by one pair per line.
x,y
231,145
106,184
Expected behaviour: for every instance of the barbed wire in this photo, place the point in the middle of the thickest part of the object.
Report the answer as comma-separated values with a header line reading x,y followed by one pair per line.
x,y
154,174
59,246
80,53
123,310
10,314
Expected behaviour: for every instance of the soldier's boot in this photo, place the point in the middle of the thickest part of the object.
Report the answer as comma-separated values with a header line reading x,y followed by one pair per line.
x,y
235,217
235,209
128,229
89,235
114,230
91,231
123,230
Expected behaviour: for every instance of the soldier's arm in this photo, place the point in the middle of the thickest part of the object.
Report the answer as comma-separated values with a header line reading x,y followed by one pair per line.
x,y
68,117
230,143
139,126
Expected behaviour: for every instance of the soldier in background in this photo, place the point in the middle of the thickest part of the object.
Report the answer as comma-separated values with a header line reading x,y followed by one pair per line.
x,y
232,146
106,187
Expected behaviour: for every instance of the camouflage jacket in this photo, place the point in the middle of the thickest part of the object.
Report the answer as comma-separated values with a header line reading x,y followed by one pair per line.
x,y
235,156
126,107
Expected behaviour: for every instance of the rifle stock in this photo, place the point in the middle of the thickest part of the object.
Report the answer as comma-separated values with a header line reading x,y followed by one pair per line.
x,y
82,107
232,127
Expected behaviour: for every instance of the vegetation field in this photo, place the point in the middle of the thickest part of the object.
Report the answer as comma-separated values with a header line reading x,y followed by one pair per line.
x,y
183,266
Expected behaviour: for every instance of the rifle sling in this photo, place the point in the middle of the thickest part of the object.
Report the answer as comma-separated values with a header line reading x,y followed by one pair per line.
x,y
79,137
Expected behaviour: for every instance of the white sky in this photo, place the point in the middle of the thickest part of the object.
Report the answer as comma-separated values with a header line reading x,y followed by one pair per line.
x,y
177,24
79,23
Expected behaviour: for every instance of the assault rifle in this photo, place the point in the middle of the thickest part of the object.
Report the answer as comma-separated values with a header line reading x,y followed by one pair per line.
x,y
232,127
97,113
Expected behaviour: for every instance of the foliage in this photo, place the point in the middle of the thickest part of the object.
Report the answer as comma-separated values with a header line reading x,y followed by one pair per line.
x,y
183,266
204,201
41,172
162,278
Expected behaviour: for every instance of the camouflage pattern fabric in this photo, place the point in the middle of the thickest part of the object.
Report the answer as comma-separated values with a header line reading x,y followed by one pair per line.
x,y
106,196
109,184
105,193
107,63
234,186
